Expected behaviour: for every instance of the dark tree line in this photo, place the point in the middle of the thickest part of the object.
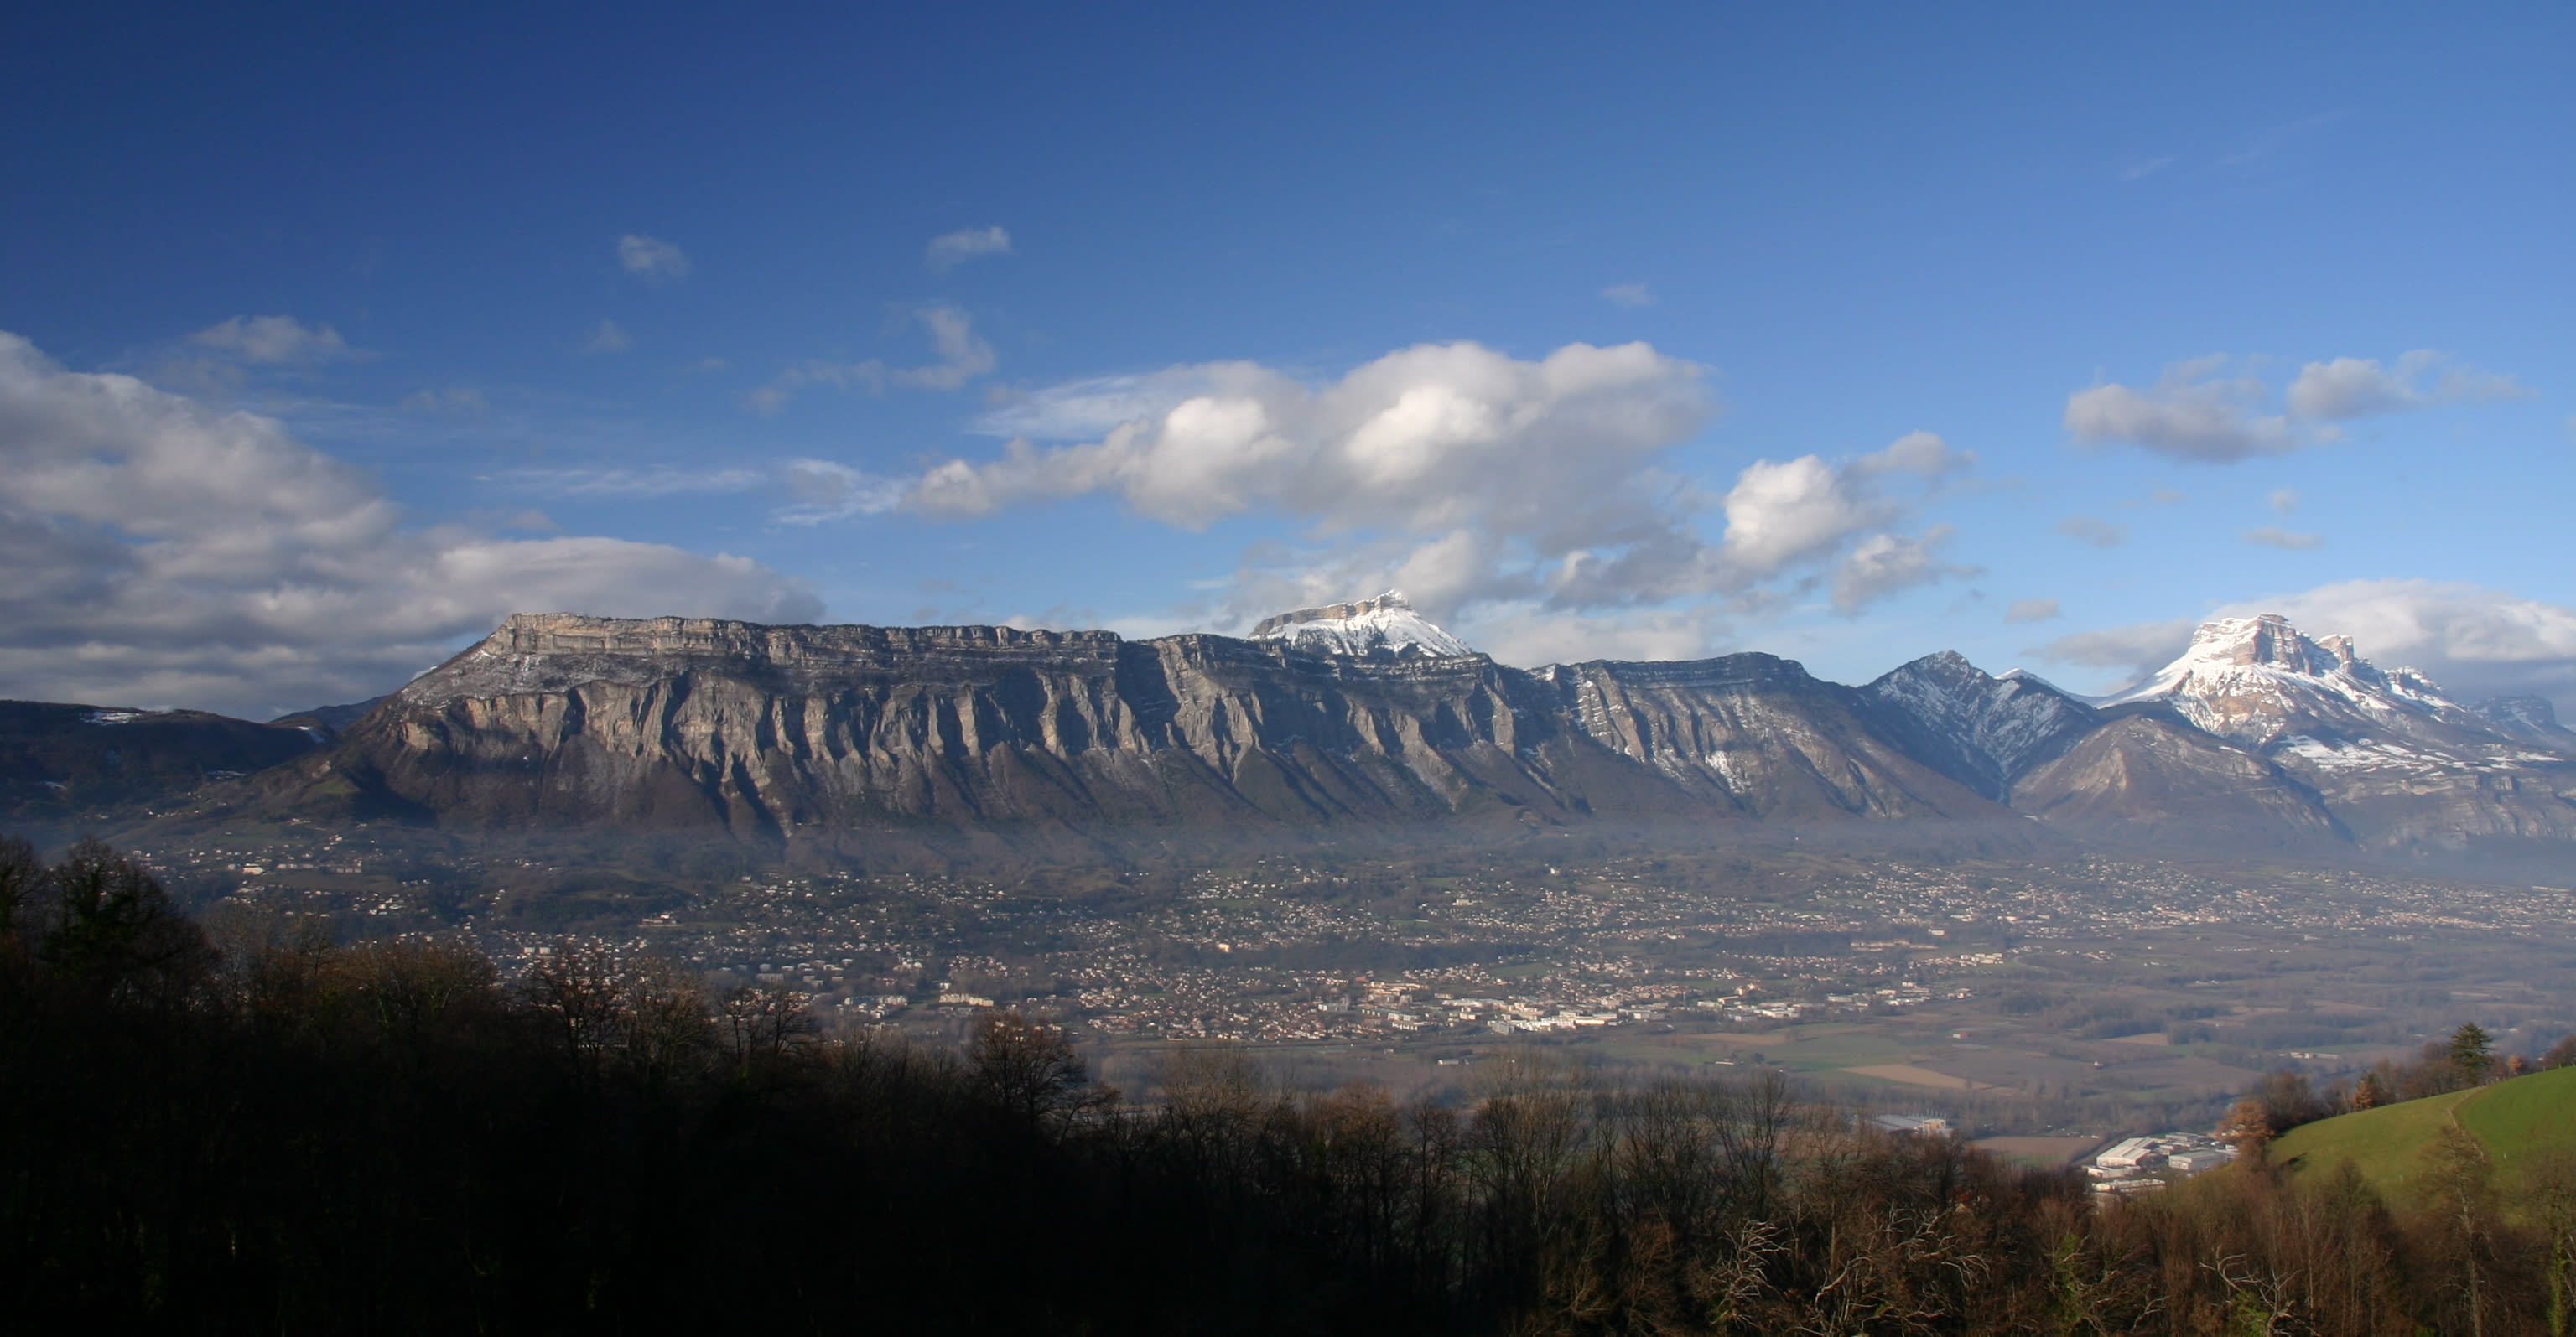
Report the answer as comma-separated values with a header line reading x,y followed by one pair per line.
x,y
243,1126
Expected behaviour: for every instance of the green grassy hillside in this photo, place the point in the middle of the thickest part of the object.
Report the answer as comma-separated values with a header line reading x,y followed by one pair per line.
x,y
2519,1122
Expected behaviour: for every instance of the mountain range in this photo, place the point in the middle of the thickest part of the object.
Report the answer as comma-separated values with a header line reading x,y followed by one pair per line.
x,y
1362,713
1367,714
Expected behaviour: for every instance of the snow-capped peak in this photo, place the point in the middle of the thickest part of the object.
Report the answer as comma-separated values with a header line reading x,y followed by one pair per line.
x,y
1385,625
2258,679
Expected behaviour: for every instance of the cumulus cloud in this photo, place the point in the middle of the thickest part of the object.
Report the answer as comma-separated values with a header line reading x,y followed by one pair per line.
x,y
963,356
1629,295
2031,610
2200,410
1464,476
1422,439
155,550
950,249
651,257
2351,387
606,337
2094,530
1884,564
2193,412
273,341
2272,536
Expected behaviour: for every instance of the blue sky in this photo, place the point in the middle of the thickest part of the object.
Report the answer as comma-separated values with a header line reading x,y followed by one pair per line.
x,y
2038,333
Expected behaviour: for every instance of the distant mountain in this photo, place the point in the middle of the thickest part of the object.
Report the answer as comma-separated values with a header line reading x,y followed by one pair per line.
x,y
2141,770
60,760
2259,681
1385,625
2529,718
1984,731
1366,714
2397,760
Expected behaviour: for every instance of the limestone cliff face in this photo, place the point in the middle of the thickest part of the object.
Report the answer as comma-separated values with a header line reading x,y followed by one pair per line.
x,y
680,722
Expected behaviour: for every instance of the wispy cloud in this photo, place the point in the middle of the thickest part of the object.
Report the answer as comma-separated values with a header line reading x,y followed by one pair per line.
x,y
826,490
2031,610
462,401
951,249
963,356
2146,167
651,257
2094,530
273,341
2293,540
1629,295
606,337
657,481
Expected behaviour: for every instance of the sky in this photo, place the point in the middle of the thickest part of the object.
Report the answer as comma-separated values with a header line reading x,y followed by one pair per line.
x,y
329,337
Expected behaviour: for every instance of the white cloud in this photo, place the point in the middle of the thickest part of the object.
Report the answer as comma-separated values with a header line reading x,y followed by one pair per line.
x,y
2270,536
1886,563
963,356
2351,387
2283,500
1462,475
651,257
2198,411
273,341
154,550
1629,295
1088,408
2031,610
2094,530
2474,640
824,490
1529,634
606,337
2192,412
950,249
657,481
1419,440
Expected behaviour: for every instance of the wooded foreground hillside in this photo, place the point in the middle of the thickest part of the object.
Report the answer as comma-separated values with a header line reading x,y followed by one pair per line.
x,y
241,1127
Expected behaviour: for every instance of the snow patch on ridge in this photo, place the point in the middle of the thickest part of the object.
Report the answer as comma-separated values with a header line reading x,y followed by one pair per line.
x,y
1385,625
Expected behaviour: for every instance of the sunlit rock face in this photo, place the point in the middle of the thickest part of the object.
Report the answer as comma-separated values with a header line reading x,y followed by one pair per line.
x,y
2260,735
559,718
